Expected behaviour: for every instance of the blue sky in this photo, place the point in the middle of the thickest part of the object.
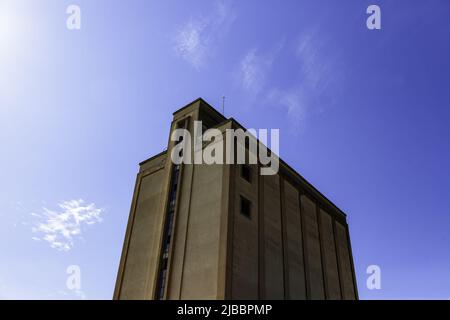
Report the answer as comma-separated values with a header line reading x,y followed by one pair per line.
x,y
363,115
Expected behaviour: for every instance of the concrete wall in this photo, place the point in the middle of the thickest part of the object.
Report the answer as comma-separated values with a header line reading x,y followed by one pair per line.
x,y
244,259
295,264
272,239
180,234
291,247
345,262
201,256
313,254
195,255
140,255
329,256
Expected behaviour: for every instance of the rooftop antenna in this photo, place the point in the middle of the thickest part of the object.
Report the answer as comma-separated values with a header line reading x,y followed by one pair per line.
x,y
223,105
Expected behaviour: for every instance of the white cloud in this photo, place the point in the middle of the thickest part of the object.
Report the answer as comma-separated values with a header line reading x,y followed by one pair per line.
x,y
189,44
254,68
314,68
252,72
317,68
318,80
293,100
60,228
196,41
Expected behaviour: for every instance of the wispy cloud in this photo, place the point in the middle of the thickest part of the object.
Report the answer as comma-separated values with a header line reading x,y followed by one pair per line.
x,y
317,76
317,62
254,68
196,41
61,227
314,72
253,71
293,100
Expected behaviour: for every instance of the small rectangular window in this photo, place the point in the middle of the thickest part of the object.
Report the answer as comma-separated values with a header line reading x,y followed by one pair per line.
x,y
246,172
246,207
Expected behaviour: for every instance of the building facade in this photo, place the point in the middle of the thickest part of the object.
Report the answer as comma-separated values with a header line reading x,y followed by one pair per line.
x,y
199,231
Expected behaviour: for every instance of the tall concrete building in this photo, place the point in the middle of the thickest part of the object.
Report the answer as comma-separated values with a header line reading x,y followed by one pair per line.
x,y
199,231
